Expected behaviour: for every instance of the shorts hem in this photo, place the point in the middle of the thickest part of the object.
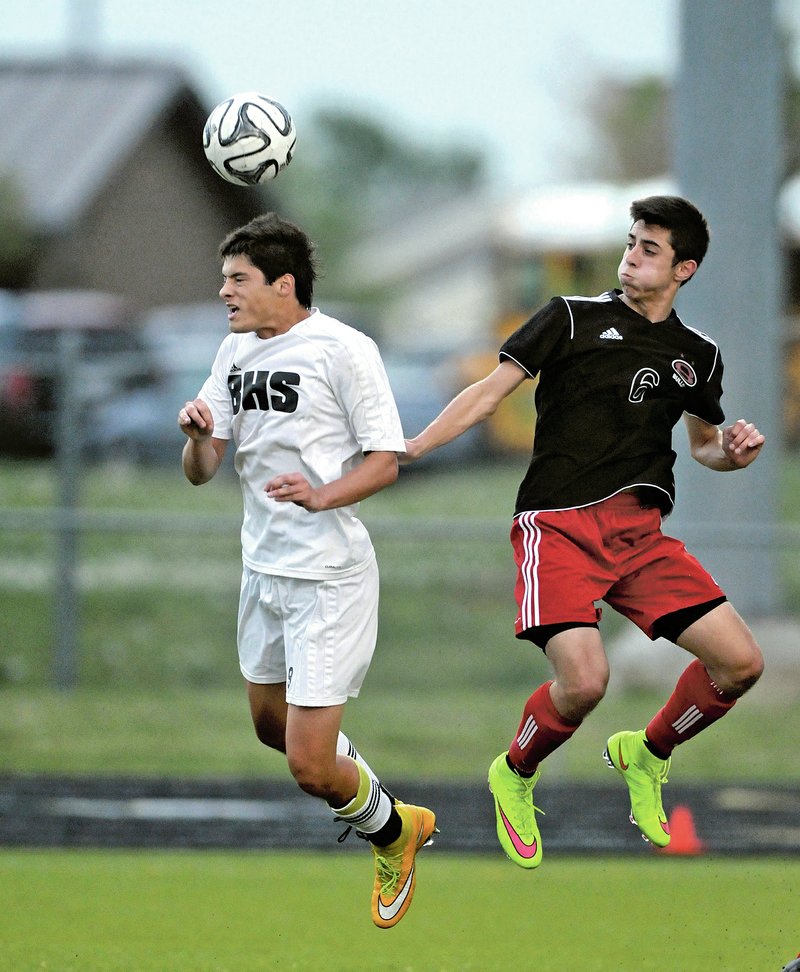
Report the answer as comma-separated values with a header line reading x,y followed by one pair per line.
x,y
319,703
263,680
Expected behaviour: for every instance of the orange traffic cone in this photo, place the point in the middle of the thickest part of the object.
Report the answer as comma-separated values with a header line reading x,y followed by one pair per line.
x,y
683,836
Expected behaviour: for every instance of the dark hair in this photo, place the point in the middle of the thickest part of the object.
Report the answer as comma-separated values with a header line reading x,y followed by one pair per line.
x,y
276,247
687,226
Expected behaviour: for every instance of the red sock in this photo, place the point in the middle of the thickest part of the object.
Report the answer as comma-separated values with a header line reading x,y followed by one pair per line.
x,y
695,703
541,730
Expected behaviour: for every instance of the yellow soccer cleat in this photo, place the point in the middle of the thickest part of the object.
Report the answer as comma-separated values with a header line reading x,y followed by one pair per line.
x,y
517,830
644,774
395,865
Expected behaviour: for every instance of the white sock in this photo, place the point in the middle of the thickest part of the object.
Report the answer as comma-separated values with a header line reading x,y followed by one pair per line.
x,y
345,747
370,808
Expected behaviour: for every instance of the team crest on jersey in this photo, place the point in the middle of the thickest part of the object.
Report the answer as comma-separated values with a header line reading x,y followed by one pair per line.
x,y
264,391
683,373
643,381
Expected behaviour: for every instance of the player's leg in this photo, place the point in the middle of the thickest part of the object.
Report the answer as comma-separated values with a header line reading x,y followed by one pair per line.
x,y
728,662
262,658
311,740
668,594
556,587
556,709
346,747
550,717
268,708
268,712
330,638
395,831
262,661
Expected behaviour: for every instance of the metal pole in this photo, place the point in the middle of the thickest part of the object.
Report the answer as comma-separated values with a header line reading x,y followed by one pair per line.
x,y
68,434
728,155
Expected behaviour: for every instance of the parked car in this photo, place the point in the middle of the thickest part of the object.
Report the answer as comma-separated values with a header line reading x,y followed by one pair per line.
x,y
113,358
422,387
141,425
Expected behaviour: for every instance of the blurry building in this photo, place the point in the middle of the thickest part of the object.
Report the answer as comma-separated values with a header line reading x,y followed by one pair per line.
x,y
457,280
106,159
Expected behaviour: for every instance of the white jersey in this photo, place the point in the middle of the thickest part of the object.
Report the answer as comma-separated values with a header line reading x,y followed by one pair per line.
x,y
313,401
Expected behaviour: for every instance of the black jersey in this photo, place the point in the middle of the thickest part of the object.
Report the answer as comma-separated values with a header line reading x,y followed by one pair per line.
x,y
612,386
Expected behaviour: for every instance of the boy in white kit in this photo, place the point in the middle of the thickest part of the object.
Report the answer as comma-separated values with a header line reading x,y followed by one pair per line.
x,y
308,404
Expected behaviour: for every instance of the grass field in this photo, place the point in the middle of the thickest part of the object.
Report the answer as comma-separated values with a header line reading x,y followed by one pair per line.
x,y
159,689
96,911
159,694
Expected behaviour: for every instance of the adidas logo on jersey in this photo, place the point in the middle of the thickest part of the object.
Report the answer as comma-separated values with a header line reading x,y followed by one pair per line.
x,y
611,334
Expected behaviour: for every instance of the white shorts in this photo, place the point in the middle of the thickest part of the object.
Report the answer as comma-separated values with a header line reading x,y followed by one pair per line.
x,y
317,636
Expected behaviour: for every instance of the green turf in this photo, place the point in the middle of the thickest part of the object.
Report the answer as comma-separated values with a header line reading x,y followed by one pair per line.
x,y
434,734
159,689
95,911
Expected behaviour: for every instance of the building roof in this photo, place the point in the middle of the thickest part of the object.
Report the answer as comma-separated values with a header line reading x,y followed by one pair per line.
x,y
590,217
68,123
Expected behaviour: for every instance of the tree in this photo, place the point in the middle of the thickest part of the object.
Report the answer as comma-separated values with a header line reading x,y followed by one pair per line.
x,y
352,174
16,237
633,130
633,127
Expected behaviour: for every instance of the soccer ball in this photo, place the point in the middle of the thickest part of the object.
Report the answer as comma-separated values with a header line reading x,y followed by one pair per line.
x,y
249,138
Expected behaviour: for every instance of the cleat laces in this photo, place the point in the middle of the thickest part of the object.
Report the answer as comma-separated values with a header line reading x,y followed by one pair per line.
x,y
388,874
528,798
346,832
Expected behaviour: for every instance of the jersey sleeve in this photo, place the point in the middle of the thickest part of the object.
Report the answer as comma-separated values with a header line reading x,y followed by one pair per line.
x,y
704,399
360,383
532,344
215,391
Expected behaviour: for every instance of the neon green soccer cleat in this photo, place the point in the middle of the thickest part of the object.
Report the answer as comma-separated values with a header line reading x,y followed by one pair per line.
x,y
644,773
395,865
516,814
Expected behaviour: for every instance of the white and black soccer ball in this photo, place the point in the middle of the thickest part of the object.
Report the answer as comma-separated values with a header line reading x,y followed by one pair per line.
x,y
249,138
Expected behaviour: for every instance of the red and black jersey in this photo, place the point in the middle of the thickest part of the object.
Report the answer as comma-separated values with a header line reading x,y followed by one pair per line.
x,y
612,385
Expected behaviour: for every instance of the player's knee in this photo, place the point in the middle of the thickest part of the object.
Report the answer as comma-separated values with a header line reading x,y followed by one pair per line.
x,y
312,777
578,697
744,674
272,736
592,692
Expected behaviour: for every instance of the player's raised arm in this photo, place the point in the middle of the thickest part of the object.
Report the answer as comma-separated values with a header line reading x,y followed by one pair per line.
x,y
202,454
723,450
378,470
471,406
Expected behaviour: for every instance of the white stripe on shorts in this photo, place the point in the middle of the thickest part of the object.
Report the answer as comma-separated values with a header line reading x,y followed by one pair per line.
x,y
529,609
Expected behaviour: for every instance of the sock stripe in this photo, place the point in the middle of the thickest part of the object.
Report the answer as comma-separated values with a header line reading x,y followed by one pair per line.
x,y
527,732
687,720
369,807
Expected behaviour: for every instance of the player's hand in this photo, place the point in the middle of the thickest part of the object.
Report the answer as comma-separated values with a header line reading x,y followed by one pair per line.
x,y
294,488
741,443
410,455
195,420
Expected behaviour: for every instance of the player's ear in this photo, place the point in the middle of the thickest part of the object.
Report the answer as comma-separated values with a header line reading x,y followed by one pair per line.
x,y
285,284
685,270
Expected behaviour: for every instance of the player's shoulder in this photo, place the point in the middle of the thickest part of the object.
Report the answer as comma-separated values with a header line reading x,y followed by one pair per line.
x,y
329,331
701,336
229,346
578,310
582,306
607,297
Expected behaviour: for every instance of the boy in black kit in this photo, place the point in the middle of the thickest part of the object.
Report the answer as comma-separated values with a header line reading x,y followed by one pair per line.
x,y
616,373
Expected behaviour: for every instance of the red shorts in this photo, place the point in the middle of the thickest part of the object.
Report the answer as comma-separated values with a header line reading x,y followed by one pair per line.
x,y
612,551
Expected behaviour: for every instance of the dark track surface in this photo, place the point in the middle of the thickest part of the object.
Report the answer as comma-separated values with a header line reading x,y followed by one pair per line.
x,y
82,812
